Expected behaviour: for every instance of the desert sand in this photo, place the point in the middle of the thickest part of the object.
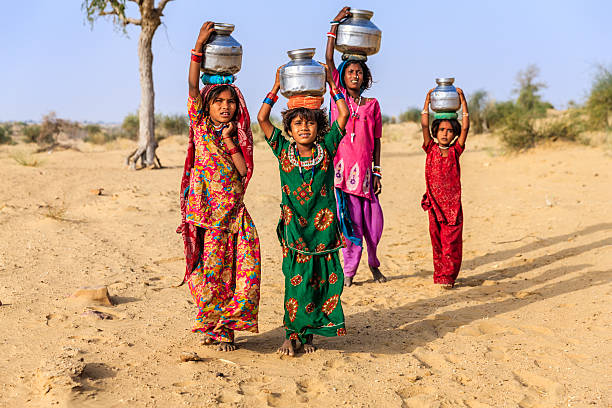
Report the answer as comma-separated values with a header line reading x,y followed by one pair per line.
x,y
528,324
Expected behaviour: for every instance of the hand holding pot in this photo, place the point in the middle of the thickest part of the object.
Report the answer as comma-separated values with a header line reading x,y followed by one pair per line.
x,y
205,32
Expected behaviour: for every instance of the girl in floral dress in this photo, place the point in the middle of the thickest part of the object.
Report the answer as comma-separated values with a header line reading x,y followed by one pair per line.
x,y
308,229
443,197
221,242
357,163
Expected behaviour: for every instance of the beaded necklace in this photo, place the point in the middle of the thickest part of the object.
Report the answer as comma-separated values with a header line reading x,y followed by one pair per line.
x,y
296,160
354,114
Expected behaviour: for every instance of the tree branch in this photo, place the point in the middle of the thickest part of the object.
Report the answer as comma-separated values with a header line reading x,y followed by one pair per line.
x,y
117,13
162,4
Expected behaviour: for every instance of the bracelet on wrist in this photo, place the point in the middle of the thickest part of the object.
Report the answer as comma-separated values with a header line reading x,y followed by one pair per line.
x,y
334,22
234,150
272,96
374,173
331,35
268,101
194,52
196,58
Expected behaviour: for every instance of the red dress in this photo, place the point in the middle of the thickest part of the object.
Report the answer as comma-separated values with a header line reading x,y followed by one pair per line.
x,y
443,201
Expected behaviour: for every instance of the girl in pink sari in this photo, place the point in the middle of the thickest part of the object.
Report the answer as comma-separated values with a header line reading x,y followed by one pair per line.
x,y
221,242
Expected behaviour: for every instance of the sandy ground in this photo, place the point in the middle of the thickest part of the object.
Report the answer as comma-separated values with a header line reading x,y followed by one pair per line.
x,y
528,325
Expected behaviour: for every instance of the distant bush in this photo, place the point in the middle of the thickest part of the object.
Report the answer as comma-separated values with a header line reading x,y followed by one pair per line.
x,y
129,126
599,104
31,133
522,132
411,115
477,104
386,119
528,92
173,124
5,134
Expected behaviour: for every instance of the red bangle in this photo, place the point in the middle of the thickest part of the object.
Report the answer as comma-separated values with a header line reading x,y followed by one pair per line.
x,y
331,92
272,96
193,52
330,34
196,58
234,151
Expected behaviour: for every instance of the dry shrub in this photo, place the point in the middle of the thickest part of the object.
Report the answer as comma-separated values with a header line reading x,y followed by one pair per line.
x,y
25,159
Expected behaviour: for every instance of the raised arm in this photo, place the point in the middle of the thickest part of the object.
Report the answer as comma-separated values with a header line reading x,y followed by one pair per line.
x,y
194,66
465,120
343,111
425,119
331,37
263,117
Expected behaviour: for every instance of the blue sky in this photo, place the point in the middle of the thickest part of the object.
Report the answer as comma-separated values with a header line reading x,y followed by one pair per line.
x,y
50,59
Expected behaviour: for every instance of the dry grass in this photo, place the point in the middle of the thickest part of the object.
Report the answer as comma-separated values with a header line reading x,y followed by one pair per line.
x,y
26,159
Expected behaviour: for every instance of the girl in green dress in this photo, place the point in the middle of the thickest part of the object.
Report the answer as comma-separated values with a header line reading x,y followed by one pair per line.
x,y
308,229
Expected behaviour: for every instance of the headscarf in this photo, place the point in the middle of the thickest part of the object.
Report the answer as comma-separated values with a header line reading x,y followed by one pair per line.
x,y
193,245
341,69
305,101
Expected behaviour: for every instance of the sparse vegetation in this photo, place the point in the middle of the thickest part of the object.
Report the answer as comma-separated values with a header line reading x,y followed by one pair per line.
x,y
599,103
411,115
5,134
25,159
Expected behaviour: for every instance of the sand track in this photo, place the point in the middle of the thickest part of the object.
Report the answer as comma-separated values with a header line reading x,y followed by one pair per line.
x,y
528,324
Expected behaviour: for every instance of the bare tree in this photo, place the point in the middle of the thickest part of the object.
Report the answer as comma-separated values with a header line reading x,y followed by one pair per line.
x,y
150,19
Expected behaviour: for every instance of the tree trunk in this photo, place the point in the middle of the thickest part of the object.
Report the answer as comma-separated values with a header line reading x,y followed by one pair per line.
x,y
147,144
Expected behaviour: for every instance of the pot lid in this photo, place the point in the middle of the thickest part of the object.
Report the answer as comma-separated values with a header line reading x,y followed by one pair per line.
x,y
302,53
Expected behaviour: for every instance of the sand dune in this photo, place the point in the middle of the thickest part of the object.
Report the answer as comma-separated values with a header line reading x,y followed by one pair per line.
x,y
528,324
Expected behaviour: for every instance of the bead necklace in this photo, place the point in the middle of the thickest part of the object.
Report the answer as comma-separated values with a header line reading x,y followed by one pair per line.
x,y
354,115
315,159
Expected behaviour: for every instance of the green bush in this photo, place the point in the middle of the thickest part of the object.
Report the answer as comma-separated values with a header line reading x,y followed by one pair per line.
x,y
477,104
173,124
5,134
411,115
129,127
521,131
599,104
31,133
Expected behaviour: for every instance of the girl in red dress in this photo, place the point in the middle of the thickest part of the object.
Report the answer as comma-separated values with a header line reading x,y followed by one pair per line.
x,y
443,197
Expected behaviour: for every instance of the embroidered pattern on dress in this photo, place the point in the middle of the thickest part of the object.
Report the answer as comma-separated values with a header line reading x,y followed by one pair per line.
x,y
353,181
339,171
366,181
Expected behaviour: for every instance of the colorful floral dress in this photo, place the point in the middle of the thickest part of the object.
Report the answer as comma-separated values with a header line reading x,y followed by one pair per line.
x,y
226,278
309,235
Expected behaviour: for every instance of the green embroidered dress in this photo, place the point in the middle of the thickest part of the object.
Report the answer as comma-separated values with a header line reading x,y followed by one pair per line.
x,y
310,237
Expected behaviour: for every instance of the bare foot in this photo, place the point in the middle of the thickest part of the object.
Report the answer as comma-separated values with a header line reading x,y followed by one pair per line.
x,y
377,275
448,286
223,346
208,341
287,348
309,347
348,281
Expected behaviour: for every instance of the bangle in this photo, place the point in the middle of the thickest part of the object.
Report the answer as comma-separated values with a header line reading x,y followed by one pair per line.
x,y
334,22
234,151
193,52
374,173
268,101
338,96
330,34
424,112
196,58
272,96
465,115
377,168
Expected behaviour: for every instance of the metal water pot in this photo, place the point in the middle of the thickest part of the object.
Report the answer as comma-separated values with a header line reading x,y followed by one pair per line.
x,y
444,97
222,53
302,75
357,35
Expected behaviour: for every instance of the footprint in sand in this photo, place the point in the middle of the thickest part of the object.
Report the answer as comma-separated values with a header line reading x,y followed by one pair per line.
x,y
540,391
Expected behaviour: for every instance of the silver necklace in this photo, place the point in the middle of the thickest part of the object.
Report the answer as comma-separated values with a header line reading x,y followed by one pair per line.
x,y
354,115
313,161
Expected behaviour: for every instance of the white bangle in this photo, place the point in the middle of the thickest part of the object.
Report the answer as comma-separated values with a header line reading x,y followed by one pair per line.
x,y
424,112
465,115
